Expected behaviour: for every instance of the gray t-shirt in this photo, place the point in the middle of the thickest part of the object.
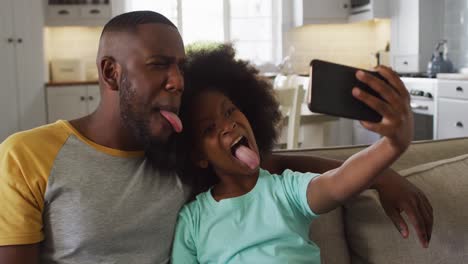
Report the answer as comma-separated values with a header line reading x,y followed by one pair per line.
x,y
99,205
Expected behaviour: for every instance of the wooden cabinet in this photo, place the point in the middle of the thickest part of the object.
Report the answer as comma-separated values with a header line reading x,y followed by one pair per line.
x,y
71,102
416,26
84,14
452,109
22,69
317,11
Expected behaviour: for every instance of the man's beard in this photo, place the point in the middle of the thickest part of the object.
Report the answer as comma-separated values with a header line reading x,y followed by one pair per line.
x,y
161,153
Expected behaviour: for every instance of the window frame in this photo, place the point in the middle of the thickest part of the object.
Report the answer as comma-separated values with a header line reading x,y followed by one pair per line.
x,y
276,21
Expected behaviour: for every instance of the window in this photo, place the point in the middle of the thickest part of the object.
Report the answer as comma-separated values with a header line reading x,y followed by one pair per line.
x,y
251,25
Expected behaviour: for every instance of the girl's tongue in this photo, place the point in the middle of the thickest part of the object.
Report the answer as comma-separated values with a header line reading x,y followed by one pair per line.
x,y
247,156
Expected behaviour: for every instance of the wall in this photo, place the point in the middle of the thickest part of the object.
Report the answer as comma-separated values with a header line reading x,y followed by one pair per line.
x,y
73,43
350,44
456,31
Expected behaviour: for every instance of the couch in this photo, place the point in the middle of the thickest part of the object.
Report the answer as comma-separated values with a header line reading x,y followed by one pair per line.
x,y
360,232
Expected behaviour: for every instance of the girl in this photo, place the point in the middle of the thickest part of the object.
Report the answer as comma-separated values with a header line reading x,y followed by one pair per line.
x,y
245,214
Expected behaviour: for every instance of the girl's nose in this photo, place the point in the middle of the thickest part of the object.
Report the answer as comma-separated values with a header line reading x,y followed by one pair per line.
x,y
229,126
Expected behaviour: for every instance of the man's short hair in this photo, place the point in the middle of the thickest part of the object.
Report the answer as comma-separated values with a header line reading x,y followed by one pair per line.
x,y
129,21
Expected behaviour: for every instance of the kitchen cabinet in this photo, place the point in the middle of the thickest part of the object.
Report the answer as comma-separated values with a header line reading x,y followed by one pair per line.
x,y
71,102
89,13
317,11
452,109
362,136
416,27
22,69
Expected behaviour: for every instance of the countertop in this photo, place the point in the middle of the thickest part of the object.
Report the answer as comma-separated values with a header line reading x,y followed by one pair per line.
x,y
452,76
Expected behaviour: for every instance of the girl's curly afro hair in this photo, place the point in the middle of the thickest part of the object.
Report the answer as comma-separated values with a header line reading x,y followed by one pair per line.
x,y
216,69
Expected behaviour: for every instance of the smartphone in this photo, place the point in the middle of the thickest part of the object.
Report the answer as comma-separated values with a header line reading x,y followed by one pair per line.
x,y
330,91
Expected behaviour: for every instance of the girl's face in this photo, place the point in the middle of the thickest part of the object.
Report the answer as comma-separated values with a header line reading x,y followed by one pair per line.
x,y
223,137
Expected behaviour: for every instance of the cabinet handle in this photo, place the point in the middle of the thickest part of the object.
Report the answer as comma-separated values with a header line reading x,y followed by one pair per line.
x,y
91,98
345,6
20,40
459,89
419,107
94,11
10,40
82,98
405,63
63,12
459,124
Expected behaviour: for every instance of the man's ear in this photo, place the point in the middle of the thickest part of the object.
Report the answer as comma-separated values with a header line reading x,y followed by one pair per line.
x,y
111,72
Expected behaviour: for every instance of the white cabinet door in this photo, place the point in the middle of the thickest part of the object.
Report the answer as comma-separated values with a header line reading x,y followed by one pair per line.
x,y
78,14
319,11
405,26
452,118
416,27
66,102
28,27
453,89
21,70
9,118
94,98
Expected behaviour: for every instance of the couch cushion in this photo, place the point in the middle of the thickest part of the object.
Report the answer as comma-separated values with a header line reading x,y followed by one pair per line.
x,y
419,152
328,233
372,238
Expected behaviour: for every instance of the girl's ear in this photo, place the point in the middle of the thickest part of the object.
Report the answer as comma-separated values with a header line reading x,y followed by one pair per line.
x,y
198,160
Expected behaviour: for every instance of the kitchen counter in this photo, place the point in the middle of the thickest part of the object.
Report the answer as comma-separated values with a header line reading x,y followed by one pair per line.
x,y
452,76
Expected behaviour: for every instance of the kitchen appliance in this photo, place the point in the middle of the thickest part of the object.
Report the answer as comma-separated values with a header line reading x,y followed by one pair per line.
x,y
422,91
67,70
439,62
362,10
359,6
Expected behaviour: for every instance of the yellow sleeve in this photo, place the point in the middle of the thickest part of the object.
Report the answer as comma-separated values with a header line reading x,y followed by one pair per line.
x,y
26,159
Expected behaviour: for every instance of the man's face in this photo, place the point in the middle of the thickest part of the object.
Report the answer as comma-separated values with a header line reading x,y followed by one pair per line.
x,y
151,82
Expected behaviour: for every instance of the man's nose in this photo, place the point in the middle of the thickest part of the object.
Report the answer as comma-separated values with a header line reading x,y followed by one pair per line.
x,y
175,80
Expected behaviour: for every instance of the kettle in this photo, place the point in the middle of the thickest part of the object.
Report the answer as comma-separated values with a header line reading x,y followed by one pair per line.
x,y
439,62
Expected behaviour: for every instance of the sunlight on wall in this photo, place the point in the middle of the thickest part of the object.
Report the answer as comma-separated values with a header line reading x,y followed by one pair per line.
x,y
72,43
350,44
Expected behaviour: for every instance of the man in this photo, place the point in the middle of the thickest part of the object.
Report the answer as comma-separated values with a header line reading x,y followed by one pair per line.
x,y
102,188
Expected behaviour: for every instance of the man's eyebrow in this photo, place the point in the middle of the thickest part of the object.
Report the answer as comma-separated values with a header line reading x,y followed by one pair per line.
x,y
163,57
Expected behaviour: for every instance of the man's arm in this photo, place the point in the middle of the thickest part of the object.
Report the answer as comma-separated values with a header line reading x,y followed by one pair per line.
x,y
20,254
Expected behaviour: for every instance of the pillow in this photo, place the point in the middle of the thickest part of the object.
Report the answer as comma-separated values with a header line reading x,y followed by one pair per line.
x,y
327,232
372,237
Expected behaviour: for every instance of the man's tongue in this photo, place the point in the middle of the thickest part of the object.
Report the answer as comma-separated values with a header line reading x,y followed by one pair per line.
x,y
247,156
173,119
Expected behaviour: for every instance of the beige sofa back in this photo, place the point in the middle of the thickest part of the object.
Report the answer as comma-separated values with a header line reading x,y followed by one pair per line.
x,y
360,232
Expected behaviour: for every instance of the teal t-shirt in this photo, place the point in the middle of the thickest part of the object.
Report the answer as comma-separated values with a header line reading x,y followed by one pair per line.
x,y
269,224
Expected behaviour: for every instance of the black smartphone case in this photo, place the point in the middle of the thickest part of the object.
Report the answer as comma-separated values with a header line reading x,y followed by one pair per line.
x,y
330,92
